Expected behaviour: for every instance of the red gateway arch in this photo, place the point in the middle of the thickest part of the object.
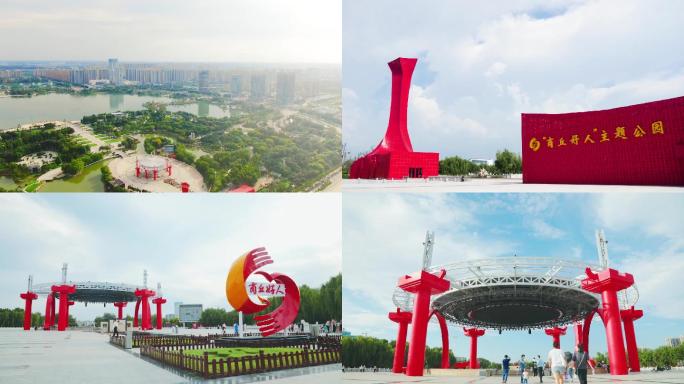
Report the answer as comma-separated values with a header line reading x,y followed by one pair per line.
x,y
394,157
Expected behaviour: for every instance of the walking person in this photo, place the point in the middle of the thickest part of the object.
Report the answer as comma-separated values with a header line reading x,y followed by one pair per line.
x,y
505,365
521,368
556,360
540,368
116,331
581,360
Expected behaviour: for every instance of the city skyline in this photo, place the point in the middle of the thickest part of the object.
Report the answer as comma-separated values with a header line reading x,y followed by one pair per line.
x,y
268,31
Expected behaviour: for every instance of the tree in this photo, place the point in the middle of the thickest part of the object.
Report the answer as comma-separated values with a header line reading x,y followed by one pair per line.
x,y
104,318
508,162
73,167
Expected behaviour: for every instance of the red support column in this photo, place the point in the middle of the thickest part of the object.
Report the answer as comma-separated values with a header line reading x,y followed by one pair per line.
x,y
403,319
608,282
64,291
49,312
137,308
169,168
473,333
159,301
423,284
144,295
628,316
137,168
120,306
556,333
28,298
155,174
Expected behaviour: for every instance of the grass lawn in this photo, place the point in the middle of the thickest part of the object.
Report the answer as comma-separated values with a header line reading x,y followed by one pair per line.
x,y
221,353
33,186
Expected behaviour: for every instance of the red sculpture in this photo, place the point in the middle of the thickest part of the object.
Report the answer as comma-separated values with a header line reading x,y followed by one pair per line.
x,y
159,301
120,306
444,330
628,316
143,301
423,284
63,291
394,157
608,282
556,333
473,333
238,297
28,297
403,319
49,312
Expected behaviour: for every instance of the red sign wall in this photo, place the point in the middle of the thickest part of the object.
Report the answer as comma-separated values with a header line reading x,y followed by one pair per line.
x,y
641,144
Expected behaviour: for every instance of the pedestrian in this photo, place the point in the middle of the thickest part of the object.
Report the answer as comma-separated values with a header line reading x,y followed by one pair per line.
x,y
236,328
505,366
525,374
116,331
556,360
540,368
582,360
521,367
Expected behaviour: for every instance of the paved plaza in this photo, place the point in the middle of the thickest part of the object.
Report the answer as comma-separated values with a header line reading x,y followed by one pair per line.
x,y
476,185
668,377
87,357
124,170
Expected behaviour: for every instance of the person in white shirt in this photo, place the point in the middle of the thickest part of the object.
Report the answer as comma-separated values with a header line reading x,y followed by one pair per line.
x,y
557,363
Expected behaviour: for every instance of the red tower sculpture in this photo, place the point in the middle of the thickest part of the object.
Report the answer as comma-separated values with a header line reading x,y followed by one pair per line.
x,y
556,333
28,298
394,157
64,291
403,319
608,282
423,284
120,306
628,316
473,333
159,301
444,330
143,301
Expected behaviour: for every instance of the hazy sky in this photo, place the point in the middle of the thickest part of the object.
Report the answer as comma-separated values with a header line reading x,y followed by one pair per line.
x,y
172,30
186,242
481,64
383,237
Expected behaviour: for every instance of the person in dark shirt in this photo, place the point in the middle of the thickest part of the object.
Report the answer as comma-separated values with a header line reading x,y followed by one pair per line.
x,y
506,366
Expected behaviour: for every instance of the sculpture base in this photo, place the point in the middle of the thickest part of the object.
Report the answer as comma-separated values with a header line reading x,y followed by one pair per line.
x,y
396,165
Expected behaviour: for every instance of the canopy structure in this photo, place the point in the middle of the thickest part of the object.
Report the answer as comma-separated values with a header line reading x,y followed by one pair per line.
x,y
514,293
93,291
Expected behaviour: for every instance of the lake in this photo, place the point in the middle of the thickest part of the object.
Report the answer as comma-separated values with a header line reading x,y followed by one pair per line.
x,y
60,106
90,180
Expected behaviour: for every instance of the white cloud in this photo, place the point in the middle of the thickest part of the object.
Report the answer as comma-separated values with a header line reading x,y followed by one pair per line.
x,y
545,230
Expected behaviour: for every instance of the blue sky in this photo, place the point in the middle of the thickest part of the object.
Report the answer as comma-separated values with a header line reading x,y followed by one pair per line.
x,y
186,242
306,31
383,233
481,64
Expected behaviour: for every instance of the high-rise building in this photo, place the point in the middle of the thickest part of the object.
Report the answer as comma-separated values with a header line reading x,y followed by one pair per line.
x,y
257,89
236,85
203,81
674,341
285,88
115,74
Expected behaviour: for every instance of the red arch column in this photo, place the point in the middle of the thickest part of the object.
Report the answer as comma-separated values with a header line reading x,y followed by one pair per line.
x,y
137,308
28,298
445,338
159,301
49,312
403,319
608,282
423,284
64,291
120,306
556,333
473,333
144,296
628,316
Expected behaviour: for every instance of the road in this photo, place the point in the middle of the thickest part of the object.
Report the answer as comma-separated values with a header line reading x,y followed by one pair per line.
x,y
335,178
